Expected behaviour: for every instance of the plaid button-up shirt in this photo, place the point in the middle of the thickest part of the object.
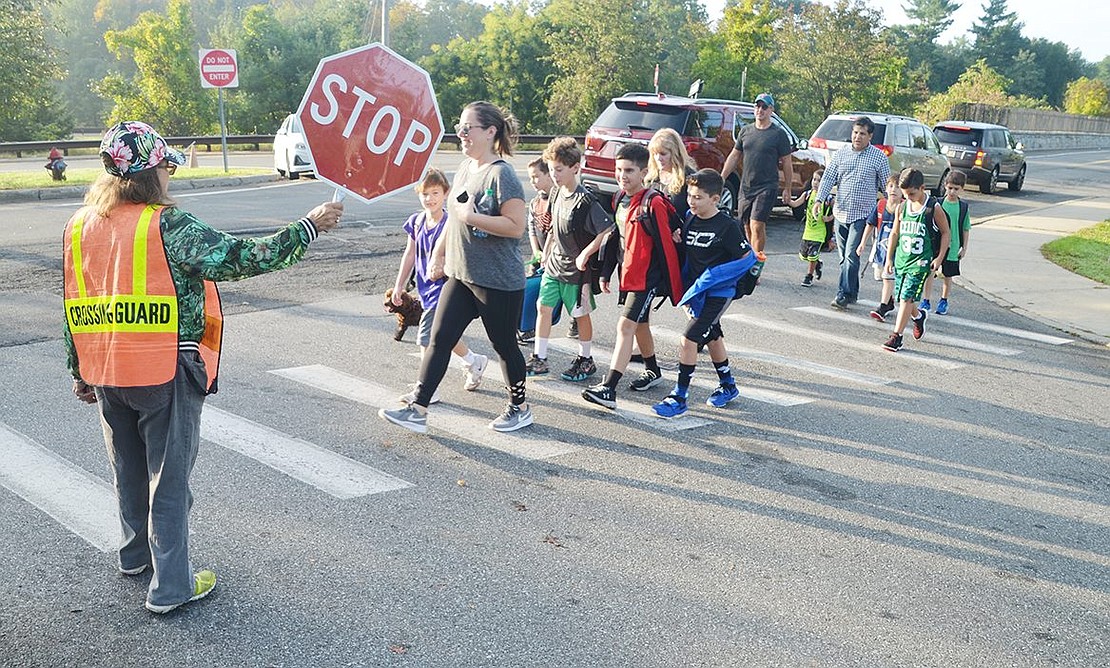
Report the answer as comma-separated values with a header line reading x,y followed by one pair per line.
x,y
859,177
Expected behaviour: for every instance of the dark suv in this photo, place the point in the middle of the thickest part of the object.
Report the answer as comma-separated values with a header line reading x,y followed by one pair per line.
x,y
986,153
707,126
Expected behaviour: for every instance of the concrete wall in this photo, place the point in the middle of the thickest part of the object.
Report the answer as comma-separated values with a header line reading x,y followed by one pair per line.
x,y
1049,141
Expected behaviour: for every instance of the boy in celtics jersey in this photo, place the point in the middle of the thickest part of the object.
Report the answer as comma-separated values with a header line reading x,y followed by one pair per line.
x,y
917,246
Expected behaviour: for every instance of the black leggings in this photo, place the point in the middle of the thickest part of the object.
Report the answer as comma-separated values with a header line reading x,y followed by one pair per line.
x,y
459,304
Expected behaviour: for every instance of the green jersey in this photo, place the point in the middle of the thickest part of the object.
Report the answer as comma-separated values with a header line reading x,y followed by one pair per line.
x,y
816,210
915,244
956,225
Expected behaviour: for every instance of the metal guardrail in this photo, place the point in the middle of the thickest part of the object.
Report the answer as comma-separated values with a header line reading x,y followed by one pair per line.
x,y
207,141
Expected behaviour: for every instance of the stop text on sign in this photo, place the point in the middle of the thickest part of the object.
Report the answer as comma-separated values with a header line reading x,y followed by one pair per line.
x,y
387,118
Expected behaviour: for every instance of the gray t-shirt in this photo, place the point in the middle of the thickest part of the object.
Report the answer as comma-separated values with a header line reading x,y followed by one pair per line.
x,y
762,150
476,256
565,247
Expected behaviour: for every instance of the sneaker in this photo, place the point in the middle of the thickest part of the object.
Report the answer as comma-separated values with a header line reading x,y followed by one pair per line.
x,y
601,394
410,397
537,366
133,571
636,358
474,372
942,306
647,380
408,417
573,333
580,369
515,417
808,281
722,396
840,303
526,338
880,313
925,305
919,325
817,271
671,407
894,343
203,584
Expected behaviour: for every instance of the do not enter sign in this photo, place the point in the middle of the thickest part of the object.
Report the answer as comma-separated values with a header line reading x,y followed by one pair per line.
x,y
371,121
218,68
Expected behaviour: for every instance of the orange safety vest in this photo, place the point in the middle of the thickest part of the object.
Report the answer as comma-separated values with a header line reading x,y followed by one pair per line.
x,y
121,302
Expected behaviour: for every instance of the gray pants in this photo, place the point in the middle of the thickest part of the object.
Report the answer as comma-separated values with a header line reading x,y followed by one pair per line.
x,y
153,434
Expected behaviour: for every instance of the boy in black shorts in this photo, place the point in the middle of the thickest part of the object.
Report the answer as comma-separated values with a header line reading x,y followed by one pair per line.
x,y
649,268
957,211
717,256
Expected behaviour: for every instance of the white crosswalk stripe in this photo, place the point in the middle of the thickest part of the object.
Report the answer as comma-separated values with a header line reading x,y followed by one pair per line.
x,y
997,329
523,443
339,476
78,500
930,334
804,333
628,407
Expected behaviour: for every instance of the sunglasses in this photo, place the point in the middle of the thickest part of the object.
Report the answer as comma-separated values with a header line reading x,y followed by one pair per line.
x,y
169,167
463,129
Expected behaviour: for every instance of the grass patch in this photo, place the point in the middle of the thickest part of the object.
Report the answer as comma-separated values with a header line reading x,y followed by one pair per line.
x,y
83,177
1087,252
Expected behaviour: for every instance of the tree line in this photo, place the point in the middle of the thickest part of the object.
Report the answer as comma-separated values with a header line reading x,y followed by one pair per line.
x,y
554,63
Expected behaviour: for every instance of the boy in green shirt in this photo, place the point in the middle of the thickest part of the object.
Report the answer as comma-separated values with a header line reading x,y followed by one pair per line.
x,y
818,216
957,210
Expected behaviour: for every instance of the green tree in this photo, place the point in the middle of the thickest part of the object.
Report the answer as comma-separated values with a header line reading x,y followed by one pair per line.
x,y
415,28
29,104
165,89
456,73
1089,97
1060,65
515,66
979,84
744,38
917,40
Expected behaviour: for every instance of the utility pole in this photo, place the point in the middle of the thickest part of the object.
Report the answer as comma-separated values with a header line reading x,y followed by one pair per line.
x,y
385,22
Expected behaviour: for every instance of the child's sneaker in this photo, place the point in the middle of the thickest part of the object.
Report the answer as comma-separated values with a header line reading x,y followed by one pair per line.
x,y
410,397
580,369
722,396
808,281
647,380
671,407
408,417
880,313
526,338
894,343
942,306
573,332
515,417
925,305
537,366
817,270
919,325
601,394
474,372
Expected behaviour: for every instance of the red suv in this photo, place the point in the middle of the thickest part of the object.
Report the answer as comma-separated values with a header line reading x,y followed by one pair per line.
x,y
708,128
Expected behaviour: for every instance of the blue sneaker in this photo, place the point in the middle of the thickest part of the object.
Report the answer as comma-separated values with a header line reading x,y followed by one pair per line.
x,y
925,305
722,396
942,306
670,407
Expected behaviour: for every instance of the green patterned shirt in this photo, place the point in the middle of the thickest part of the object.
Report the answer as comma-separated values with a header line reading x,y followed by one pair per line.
x,y
199,252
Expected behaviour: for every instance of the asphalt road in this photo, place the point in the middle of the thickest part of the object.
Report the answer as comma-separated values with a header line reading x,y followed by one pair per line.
x,y
945,506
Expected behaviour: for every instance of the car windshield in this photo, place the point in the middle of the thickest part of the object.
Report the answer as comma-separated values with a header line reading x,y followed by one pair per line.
x,y
642,115
840,129
961,136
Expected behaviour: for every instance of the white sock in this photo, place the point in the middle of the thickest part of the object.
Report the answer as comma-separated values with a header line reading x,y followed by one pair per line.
x,y
466,359
541,348
584,347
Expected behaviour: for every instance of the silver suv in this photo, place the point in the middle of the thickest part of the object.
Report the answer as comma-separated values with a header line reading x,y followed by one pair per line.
x,y
906,141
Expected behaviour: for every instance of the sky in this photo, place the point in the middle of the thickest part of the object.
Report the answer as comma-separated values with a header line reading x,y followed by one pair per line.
x,y
1081,24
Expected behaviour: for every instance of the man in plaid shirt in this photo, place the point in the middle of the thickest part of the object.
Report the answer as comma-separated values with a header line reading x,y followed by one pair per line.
x,y
859,173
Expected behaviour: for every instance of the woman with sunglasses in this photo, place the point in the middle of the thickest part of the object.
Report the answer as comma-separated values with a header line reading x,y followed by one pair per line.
x,y
479,252
142,331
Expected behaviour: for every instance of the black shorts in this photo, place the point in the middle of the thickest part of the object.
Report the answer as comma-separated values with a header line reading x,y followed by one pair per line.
x,y
638,308
707,326
950,268
757,205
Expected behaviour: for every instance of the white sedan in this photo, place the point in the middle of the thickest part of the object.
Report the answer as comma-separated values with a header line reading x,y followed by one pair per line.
x,y
291,156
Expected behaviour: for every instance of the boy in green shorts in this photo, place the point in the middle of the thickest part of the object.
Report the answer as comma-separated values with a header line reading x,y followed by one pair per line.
x,y
913,251
818,215
578,226
957,210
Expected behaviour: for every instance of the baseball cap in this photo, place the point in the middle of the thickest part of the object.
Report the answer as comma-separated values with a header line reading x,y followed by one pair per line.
x,y
133,146
766,99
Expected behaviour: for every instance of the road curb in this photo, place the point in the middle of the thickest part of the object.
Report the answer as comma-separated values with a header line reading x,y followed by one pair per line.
x,y
78,192
1064,327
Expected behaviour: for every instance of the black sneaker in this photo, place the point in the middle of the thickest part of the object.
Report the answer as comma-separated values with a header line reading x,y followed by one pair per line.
x,y
580,369
817,271
880,313
601,394
808,281
526,338
636,358
573,333
647,380
894,343
840,303
919,325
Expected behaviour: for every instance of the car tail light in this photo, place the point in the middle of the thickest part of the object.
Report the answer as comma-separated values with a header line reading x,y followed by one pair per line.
x,y
691,146
979,157
818,142
889,150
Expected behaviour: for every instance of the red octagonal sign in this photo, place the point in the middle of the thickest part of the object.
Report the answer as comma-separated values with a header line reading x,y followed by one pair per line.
x,y
371,121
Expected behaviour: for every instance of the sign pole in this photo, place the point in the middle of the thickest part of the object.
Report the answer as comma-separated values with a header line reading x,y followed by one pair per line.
x,y
223,127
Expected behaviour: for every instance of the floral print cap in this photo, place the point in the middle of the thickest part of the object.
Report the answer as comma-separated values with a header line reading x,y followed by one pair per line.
x,y
133,146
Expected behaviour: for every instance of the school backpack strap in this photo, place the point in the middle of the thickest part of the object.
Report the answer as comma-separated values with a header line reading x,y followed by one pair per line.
x,y
663,243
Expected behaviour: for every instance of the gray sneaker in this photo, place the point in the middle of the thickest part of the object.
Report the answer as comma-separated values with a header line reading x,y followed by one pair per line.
x,y
514,417
408,417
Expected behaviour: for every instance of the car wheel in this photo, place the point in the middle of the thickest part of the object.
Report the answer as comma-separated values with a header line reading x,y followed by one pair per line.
x,y
991,184
293,176
939,190
1018,181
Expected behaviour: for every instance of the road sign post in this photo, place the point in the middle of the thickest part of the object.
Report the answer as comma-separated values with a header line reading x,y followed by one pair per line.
x,y
371,121
219,69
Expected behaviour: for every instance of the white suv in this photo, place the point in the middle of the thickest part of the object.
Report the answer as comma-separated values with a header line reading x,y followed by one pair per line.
x,y
906,141
291,156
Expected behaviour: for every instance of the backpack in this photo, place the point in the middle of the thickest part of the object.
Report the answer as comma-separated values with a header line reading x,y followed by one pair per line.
x,y
583,238
934,231
644,218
